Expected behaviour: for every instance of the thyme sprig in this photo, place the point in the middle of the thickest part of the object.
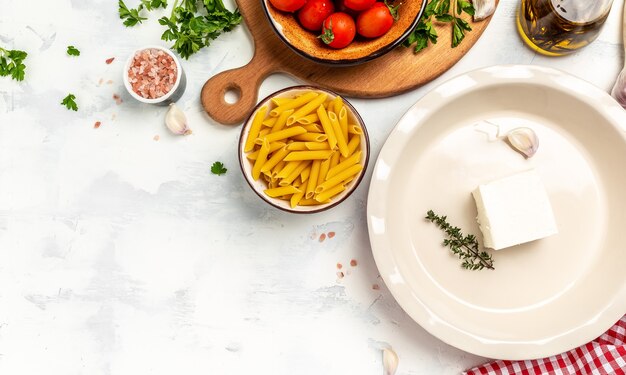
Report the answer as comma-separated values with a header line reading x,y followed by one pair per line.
x,y
464,246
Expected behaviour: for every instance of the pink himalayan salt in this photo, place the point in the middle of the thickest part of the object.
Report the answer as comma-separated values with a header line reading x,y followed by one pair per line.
x,y
152,73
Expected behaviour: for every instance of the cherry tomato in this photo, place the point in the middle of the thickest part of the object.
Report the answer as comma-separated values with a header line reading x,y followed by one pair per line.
x,y
341,7
338,30
375,21
359,5
288,5
314,12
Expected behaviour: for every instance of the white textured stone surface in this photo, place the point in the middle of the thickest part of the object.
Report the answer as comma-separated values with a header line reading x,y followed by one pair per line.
x,y
120,254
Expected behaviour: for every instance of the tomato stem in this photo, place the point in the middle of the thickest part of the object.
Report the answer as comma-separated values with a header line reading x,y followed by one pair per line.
x,y
327,33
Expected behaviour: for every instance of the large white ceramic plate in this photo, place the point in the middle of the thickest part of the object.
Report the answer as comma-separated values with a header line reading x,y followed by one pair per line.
x,y
544,297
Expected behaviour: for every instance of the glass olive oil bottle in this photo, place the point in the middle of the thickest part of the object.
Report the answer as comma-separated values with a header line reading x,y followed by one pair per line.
x,y
559,27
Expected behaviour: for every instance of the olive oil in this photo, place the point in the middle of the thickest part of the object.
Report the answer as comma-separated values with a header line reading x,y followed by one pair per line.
x,y
559,27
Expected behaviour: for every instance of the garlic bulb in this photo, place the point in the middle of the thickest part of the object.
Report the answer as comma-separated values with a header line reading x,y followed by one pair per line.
x,y
523,140
390,361
176,121
483,9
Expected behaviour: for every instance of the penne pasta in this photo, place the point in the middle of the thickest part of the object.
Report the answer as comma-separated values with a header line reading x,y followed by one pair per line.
x,y
328,194
281,121
355,129
328,128
264,132
336,104
255,128
307,108
276,158
304,148
281,101
353,144
338,178
294,103
295,174
308,155
297,146
304,175
261,159
343,122
288,169
282,134
310,137
341,141
270,121
352,160
313,146
313,128
280,191
334,160
313,179
324,167
308,119
295,199
311,202
277,168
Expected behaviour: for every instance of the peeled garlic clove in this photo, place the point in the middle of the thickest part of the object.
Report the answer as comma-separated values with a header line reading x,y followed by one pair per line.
x,y
483,9
390,361
524,141
176,121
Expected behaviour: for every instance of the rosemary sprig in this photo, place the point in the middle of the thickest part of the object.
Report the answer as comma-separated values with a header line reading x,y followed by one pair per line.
x,y
465,247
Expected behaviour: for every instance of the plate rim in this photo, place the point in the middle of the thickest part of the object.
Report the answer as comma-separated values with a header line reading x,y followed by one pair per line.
x,y
498,75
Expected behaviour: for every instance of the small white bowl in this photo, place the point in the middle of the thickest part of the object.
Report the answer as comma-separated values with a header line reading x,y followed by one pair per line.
x,y
259,186
173,95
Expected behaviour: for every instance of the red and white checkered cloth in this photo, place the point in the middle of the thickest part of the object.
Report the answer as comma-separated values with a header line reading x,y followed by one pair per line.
x,y
605,355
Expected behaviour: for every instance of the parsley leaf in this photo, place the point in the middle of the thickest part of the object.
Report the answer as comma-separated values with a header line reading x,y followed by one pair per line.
x,y
11,63
445,12
218,168
192,29
69,102
130,16
73,51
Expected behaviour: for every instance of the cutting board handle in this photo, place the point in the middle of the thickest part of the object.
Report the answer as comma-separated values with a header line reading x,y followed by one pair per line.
x,y
244,82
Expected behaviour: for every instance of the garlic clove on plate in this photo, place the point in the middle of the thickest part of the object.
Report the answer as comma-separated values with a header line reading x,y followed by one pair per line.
x,y
390,361
523,140
176,121
483,9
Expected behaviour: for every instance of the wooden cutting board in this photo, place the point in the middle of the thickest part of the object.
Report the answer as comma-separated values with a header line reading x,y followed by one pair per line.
x,y
394,73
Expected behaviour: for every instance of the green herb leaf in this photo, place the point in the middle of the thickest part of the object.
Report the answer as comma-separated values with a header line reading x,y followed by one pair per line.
x,y
69,102
12,63
130,16
192,29
218,168
73,51
443,11
465,247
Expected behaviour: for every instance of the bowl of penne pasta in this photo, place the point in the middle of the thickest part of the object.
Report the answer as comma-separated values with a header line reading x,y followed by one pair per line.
x,y
304,149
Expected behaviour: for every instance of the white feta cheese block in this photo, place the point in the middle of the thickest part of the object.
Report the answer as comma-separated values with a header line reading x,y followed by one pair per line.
x,y
514,210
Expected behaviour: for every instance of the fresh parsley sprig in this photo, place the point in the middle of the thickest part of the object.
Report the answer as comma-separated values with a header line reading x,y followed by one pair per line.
x,y
465,247
443,11
218,168
73,51
192,28
132,17
69,102
12,63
